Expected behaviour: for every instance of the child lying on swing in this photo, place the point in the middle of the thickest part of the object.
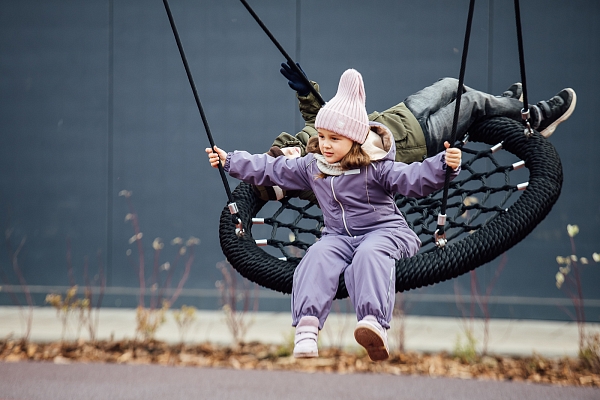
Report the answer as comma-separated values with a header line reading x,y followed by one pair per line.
x,y
423,121
350,168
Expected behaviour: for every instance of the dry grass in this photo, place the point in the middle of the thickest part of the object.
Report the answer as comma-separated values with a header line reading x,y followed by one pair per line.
x,y
536,369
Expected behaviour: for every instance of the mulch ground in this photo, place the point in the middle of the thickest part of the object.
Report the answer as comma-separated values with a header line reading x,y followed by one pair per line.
x,y
536,369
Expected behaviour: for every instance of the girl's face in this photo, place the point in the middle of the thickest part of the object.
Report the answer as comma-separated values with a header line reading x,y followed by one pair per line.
x,y
333,146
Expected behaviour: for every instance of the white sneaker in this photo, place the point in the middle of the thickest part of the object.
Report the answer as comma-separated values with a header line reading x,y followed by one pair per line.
x,y
373,337
305,341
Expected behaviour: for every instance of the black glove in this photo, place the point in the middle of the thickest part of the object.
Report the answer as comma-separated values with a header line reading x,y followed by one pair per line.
x,y
294,79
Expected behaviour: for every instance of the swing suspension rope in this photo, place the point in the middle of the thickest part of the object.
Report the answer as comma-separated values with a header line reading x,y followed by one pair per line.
x,y
439,235
232,205
528,131
289,59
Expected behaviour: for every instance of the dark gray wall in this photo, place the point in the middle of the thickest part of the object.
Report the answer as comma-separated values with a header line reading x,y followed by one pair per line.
x,y
94,100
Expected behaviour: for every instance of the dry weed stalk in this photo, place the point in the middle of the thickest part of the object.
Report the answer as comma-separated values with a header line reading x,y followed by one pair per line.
x,y
568,279
480,301
232,293
67,306
93,317
398,329
335,333
150,319
590,352
25,316
184,318
88,314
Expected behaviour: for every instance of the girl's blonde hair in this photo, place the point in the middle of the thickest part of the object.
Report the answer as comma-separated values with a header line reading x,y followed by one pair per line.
x,y
355,158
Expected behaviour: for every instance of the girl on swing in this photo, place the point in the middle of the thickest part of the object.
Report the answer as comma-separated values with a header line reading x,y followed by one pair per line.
x,y
350,168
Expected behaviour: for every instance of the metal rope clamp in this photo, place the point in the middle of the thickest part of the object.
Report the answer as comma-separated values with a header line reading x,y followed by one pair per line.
x,y
528,131
239,228
440,239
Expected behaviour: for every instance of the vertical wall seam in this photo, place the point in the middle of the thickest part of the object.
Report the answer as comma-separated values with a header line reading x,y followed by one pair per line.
x,y
298,53
490,49
490,82
110,158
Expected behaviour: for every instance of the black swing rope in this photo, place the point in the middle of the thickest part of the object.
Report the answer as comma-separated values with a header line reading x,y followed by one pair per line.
x,y
232,205
525,111
440,235
289,59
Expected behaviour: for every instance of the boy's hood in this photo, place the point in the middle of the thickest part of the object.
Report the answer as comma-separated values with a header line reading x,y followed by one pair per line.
x,y
380,143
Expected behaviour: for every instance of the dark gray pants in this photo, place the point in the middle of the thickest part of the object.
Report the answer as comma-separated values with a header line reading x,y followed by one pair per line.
x,y
434,107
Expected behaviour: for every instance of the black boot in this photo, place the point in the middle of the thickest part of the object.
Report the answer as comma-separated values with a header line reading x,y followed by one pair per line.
x,y
550,113
515,91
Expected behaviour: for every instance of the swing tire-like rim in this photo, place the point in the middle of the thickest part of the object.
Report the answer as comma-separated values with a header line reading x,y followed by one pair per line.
x,y
458,257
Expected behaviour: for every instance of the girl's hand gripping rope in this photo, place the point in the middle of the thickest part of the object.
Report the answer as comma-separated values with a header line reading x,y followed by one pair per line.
x,y
453,156
216,156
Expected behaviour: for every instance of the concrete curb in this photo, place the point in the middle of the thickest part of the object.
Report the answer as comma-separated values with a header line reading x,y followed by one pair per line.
x,y
422,334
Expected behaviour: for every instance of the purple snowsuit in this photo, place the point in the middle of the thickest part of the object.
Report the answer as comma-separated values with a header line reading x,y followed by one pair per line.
x,y
364,232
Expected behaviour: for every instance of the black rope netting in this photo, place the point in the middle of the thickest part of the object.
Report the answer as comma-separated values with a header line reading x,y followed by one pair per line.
x,y
487,214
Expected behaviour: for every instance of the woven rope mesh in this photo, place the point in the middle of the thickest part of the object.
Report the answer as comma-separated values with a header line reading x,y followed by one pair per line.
x,y
486,214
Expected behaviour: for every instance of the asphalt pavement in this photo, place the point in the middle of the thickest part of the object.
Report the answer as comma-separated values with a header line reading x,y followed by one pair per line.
x,y
48,381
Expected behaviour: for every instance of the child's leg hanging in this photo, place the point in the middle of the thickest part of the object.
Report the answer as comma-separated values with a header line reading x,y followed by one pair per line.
x,y
430,99
370,280
474,105
316,278
371,277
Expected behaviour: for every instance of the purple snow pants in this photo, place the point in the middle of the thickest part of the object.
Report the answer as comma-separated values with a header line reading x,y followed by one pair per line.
x,y
368,263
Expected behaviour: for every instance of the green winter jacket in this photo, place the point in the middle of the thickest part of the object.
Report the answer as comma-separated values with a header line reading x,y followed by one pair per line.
x,y
410,141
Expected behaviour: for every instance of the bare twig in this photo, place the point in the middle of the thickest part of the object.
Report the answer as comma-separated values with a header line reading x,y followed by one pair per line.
x,y
149,320
14,257
231,294
191,244
136,238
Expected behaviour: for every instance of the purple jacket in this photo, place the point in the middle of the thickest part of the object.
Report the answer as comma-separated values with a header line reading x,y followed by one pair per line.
x,y
357,201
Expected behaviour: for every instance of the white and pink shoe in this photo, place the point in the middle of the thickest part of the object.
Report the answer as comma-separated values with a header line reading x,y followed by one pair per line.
x,y
373,337
305,341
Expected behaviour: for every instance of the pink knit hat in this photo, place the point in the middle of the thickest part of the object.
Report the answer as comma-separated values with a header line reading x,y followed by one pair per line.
x,y
346,113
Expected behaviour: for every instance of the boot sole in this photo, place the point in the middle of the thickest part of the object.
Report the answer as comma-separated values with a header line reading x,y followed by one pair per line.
x,y
372,341
306,355
552,127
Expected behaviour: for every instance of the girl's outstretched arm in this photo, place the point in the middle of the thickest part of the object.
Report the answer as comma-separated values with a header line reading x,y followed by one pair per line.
x,y
419,179
216,156
453,156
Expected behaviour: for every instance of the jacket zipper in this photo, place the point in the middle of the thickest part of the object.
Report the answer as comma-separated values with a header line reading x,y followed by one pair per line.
x,y
341,206
367,188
